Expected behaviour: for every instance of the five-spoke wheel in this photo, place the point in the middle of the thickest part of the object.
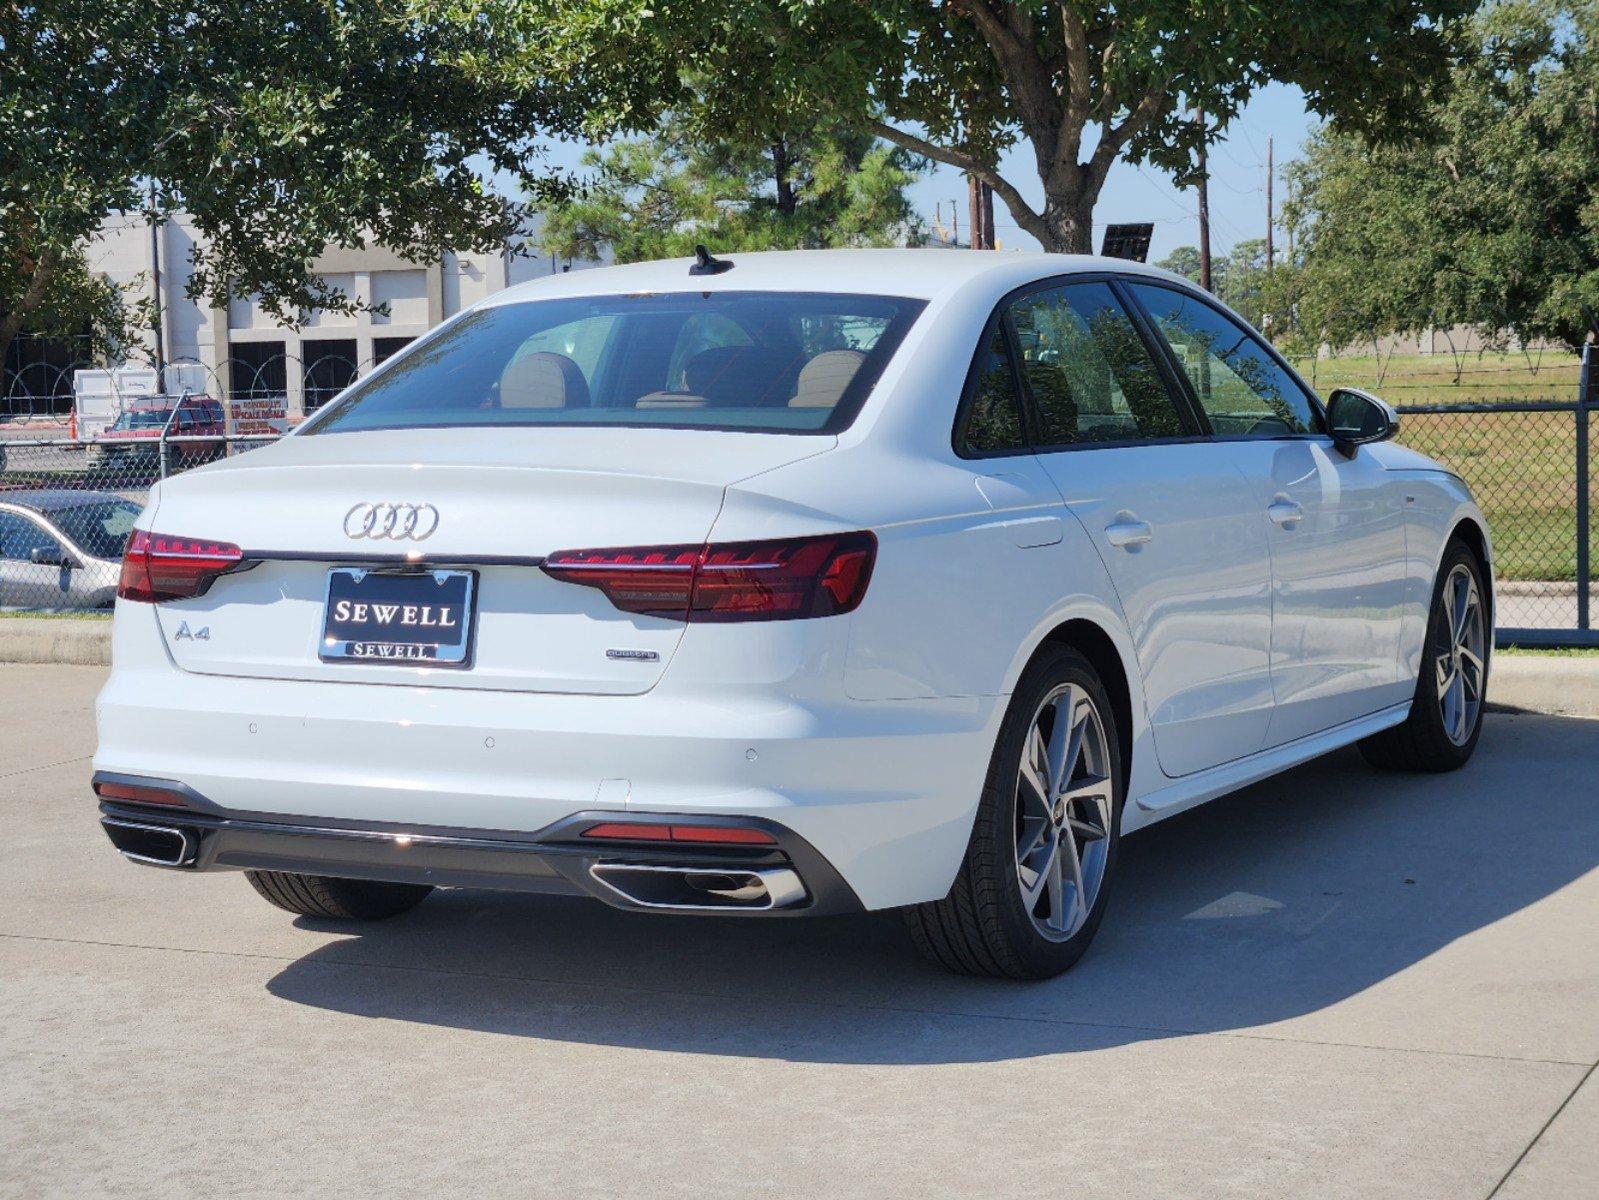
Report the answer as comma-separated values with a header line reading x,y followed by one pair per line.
x,y
1033,886
1063,812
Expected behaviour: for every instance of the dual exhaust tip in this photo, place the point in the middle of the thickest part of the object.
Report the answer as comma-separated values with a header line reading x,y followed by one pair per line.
x,y
697,889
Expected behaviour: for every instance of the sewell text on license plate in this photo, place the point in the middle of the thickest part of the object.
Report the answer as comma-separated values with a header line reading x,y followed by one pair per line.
x,y
421,618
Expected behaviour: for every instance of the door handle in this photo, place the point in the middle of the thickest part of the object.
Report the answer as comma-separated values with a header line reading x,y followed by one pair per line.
x,y
1128,532
1284,512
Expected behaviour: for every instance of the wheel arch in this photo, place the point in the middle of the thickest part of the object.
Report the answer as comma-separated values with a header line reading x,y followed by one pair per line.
x,y
1094,643
1475,535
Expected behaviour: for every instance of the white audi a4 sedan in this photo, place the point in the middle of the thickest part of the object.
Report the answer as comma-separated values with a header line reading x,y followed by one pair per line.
x,y
787,584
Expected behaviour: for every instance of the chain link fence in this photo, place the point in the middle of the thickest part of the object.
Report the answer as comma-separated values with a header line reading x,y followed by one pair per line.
x,y
67,500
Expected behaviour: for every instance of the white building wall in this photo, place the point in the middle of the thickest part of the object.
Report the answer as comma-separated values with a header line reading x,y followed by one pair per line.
x,y
417,296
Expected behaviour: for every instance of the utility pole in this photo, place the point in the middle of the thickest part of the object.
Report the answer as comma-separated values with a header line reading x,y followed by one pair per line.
x,y
980,202
1271,212
1204,209
155,287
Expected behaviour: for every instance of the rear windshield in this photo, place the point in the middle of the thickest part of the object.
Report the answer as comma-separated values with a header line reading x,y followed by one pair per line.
x,y
793,362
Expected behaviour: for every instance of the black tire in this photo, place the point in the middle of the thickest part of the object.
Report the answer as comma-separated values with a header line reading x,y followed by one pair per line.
x,y
983,926
1421,743
337,899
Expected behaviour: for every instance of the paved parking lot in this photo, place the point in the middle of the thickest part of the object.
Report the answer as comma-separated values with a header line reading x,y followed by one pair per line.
x,y
1334,984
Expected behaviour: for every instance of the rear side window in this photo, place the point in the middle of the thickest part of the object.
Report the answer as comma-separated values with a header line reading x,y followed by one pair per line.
x,y
1243,389
795,362
1087,371
993,420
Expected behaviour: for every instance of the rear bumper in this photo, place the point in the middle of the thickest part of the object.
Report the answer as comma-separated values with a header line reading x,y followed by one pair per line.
x,y
884,791
206,837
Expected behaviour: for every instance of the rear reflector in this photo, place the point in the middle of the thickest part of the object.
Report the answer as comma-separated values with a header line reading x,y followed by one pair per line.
x,y
161,566
729,581
138,793
727,835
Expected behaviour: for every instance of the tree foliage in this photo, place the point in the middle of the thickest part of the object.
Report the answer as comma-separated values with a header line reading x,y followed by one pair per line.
x,y
962,81
1492,222
806,185
1238,278
279,125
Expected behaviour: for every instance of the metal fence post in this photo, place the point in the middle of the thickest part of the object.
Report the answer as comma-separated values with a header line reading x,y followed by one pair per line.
x,y
1584,567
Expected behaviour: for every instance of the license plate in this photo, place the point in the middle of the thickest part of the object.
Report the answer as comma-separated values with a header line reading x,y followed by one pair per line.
x,y
412,618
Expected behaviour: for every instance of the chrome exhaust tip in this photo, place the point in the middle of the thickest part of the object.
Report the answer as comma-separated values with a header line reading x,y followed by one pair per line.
x,y
154,845
700,889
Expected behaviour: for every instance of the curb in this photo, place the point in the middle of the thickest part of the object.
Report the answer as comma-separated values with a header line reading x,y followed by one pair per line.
x,y
1532,683
1535,683
75,641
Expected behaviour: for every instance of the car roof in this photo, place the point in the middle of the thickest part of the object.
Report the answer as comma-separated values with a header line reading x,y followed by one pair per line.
x,y
47,500
922,273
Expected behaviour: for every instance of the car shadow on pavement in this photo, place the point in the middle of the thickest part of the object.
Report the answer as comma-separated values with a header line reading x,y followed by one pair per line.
x,y
1270,904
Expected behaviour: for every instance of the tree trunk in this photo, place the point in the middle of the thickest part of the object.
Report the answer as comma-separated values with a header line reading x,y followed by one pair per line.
x,y
786,202
1069,227
11,323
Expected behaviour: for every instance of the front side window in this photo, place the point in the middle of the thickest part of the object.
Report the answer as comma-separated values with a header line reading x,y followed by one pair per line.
x,y
1089,375
1243,389
795,362
20,537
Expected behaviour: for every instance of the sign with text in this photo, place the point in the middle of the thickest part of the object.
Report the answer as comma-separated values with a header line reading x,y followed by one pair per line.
x,y
258,415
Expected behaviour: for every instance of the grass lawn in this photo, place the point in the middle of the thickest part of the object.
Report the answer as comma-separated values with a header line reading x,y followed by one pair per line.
x,y
1431,378
1521,466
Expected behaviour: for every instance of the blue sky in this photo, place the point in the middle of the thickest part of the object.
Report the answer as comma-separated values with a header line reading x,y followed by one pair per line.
x,y
1237,189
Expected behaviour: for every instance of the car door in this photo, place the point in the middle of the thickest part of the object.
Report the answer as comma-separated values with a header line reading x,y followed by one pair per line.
x,y
1167,513
1335,523
24,583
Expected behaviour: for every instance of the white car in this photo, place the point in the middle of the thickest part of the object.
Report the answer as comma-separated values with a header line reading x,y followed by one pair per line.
x,y
61,548
793,583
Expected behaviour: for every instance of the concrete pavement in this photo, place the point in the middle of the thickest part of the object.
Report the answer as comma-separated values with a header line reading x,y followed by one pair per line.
x,y
1337,983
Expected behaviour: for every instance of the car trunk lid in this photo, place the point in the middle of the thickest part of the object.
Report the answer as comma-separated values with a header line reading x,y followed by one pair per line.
x,y
504,499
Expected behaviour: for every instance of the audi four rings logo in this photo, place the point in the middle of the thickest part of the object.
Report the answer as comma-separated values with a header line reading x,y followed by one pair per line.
x,y
394,522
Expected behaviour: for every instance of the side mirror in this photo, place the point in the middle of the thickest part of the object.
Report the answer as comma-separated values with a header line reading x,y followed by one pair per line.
x,y
1356,418
51,556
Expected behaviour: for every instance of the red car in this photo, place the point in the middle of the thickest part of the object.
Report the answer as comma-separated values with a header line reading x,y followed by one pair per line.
x,y
137,431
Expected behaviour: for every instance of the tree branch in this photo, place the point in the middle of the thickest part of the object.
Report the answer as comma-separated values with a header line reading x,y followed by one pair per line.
x,y
11,324
1117,136
1068,142
1029,220
1023,68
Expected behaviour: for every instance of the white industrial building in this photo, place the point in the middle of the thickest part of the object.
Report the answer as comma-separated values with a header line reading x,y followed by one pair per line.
x,y
245,351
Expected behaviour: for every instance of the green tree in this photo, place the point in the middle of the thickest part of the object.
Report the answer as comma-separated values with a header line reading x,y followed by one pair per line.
x,y
1238,278
803,186
279,125
1084,84
1492,222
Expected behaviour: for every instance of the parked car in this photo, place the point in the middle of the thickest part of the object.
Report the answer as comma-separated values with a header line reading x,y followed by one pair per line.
x,y
134,437
797,583
62,549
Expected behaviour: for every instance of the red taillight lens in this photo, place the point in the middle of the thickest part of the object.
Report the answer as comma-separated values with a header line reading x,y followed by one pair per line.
x,y
654,580
729,581
726,835
160,566
137,792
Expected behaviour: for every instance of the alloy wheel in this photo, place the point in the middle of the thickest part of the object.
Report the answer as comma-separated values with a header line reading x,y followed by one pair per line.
x,y
1458,654
1064,810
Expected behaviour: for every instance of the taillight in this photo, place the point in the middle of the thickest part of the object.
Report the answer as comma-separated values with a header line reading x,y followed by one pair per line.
x,y
161,566
728,581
